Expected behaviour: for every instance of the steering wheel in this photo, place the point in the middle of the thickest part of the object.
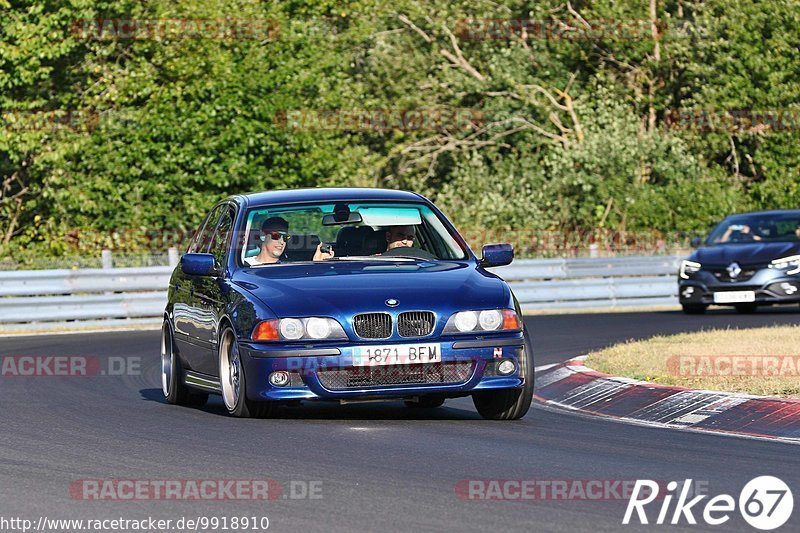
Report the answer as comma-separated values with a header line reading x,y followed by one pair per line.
x,y
409,251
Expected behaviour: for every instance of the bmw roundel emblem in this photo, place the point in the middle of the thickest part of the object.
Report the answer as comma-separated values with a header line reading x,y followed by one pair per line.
x,y
391,302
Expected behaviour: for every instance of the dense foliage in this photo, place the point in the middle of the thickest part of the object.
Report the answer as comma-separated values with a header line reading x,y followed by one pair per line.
x,y
590,116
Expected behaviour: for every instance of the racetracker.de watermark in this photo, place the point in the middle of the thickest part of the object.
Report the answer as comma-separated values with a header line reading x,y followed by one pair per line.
x,y
733,120
376,362
508,29
549,489
77,120
525,241
194,489
182,524
30,366
379,120
107,29
734,365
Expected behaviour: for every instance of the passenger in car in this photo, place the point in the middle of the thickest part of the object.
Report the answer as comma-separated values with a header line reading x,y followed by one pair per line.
x,y
274,235
399,236
396,237
739,233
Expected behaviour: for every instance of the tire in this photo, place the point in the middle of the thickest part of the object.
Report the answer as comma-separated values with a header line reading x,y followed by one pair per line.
x,y
175,391
746,309
509,404
694,309
233,381
431,401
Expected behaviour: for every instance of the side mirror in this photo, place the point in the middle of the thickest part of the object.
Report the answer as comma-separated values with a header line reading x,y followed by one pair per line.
x,y
495,255
696,242
199,265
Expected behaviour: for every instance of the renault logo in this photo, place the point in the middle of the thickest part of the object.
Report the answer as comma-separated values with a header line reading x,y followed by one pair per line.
x,y
391,302
734,270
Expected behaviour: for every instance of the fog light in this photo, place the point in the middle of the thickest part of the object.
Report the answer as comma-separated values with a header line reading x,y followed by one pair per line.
x,y
506,367
687,292
279,378
788,288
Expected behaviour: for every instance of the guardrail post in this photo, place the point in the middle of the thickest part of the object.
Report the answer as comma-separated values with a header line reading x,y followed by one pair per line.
x,y
172,253
593,250
108,261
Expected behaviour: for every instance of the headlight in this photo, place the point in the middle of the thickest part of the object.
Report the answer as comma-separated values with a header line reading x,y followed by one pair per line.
x,y
689,267
293,329
488,320
792,262
318,328
465,321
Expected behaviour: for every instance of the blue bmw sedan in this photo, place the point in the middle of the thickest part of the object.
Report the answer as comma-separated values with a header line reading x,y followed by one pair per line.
x,y
342,295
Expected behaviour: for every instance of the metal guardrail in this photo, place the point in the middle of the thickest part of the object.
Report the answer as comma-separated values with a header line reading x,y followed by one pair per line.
x,y
92,293
139,293
593,283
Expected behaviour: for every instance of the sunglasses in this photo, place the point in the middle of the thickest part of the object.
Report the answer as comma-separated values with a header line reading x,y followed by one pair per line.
x,y
275,235
403,236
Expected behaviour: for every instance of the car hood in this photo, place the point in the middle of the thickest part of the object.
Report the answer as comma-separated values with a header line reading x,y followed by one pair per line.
x,y
347,288
745,254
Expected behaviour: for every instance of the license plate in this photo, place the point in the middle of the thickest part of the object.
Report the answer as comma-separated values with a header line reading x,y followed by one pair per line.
x,y
731,297
399,354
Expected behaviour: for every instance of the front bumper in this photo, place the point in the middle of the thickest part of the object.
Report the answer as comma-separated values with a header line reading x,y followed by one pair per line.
x,y
327,372
770,287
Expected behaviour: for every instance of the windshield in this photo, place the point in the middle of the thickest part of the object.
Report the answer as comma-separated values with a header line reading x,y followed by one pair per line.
x,y
344,231
757,228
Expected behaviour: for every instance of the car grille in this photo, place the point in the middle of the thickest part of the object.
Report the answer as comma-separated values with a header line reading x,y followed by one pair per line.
x,y
722,274
415,323
373,325
427,374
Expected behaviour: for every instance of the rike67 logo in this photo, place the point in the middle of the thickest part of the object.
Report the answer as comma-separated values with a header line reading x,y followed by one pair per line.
x,y
765,503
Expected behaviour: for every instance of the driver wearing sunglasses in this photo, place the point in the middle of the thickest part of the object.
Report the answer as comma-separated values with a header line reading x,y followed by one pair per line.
x,y
274,236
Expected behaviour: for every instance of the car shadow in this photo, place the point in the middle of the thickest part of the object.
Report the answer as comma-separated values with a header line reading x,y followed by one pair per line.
x,y
320,410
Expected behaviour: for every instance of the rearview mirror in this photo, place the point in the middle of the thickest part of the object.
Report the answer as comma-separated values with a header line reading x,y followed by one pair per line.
x,y
199,265
696,242
497,255
339,218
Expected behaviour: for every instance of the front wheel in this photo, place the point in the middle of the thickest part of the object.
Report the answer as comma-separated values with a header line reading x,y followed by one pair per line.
x,y
233,381
509,404
694,309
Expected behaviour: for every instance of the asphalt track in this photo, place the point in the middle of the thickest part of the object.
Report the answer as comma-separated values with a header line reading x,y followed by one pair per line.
x,y
382,467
